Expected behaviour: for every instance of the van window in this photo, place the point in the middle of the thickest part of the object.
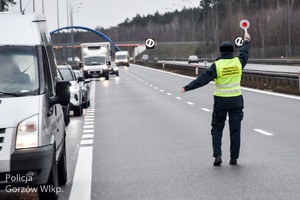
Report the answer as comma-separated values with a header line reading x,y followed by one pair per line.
x,y
121,57
94,60
18,70
47,73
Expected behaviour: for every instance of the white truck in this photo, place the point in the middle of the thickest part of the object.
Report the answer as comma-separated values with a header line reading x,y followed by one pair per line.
x,y
96,59
122,58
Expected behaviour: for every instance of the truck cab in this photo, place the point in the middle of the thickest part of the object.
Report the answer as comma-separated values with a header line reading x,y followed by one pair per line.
x,y
32,129
95,60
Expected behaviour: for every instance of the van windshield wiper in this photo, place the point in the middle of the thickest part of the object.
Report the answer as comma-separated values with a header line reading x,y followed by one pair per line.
x,y
11,94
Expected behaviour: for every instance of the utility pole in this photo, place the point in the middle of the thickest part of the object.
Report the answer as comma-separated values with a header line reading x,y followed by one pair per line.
x,y
1,6
21,9
289,27
58,34
217,24
204,32
33,5
263,29
43,7
193,24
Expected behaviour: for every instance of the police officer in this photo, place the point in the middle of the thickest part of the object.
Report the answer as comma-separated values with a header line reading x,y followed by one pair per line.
x,y
227,72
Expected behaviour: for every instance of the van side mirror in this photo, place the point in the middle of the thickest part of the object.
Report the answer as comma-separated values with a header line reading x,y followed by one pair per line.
x,y
87,80
81,64
62,96
109,63
80,79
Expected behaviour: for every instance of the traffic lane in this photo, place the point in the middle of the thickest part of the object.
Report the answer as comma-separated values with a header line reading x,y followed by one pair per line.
x,y
73,133
150,146
259,67
264,111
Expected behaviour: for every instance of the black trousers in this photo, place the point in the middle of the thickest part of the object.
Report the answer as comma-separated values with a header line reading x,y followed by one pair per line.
x,y
234,107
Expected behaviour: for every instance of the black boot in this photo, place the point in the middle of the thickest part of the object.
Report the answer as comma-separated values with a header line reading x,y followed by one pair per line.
x,y
233,161
218,161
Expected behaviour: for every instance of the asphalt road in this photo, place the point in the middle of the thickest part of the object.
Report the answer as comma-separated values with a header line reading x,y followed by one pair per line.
x,y
257,67
142,139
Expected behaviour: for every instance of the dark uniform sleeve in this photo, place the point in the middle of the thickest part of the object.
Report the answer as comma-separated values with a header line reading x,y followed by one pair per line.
x,y
244,54
203,79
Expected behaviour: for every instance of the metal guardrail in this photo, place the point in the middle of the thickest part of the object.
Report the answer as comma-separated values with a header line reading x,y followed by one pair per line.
x,y
252,61
291,76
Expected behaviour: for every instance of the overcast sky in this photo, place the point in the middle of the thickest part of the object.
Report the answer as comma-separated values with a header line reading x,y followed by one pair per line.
x,y
104,13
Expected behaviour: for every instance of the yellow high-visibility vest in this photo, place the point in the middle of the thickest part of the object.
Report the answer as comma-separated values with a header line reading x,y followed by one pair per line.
x,y
228,81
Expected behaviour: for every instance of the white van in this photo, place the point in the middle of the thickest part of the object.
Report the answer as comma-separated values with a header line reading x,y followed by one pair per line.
x,y
95,60
122,58
32,130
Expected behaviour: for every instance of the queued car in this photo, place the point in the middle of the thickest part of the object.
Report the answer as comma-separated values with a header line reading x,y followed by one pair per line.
x,y
193,59
68,74
122,58
86,101
66,108
145,57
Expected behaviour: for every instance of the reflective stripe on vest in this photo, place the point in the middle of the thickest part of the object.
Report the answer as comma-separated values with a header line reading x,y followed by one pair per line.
x,y
229,73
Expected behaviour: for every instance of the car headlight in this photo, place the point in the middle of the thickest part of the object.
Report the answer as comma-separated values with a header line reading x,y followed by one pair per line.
x,y
116,61
27,133
73,88
104,67
126,60
85,67
116,68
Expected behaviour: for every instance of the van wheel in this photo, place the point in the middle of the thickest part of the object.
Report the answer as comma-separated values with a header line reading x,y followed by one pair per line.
x,y
127,65
78,110
62,166
45,191
117,74
107,77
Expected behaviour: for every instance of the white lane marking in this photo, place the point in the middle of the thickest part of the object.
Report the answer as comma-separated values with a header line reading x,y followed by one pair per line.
x,y
169,94
155,88
82,181
85,136
89,119
205,109
190,103
178,98
88,122
150,85
89,113
88,131
243,88
91,116
161,90
143,81
263,132
88,126
146,83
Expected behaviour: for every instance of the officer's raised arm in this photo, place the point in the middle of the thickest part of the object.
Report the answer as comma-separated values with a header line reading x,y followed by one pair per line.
x,y
244,52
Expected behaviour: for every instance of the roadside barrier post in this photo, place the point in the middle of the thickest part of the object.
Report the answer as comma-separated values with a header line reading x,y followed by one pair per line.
x,y
163,64
196,69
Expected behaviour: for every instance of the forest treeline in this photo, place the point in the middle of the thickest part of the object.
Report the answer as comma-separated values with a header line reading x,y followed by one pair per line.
x,y
216,21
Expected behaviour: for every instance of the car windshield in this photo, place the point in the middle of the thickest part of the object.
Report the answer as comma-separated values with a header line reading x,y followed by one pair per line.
x,y
120,56
95,61
18,70
66,74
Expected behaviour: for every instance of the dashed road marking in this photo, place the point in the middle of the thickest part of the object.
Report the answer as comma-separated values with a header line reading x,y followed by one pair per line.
x,y
169,94
190,103
88,131
263,132
161,90
205,109
178,98
85,136
155,88
88,126
88,123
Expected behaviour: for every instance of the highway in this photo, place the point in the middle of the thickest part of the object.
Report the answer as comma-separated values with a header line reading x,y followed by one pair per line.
x,y
256,67
142,139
